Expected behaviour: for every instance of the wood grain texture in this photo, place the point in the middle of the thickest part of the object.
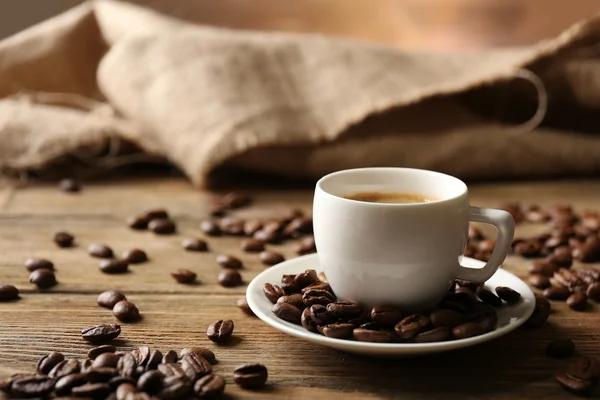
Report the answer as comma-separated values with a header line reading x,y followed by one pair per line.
x,y
176,315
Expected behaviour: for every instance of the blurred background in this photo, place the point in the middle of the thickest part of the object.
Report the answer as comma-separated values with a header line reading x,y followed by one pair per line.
x,y
454,25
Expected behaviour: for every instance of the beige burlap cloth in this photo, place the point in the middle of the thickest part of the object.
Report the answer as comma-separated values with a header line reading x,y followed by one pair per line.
x,y
87,85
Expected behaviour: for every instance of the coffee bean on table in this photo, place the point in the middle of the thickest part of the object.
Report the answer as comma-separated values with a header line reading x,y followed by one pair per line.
x,y
287,312
107,359
139,222
299,226
271,257
66,383
507,294
63,239
192,244
69,185
96,351
156,213
252,226
445,318
8,293
171,369
267,236
229,261
593,292
85,364
252,245
232,226
49,361
201,351
488,297
306,246
540,315
577,301
135,256
109,298
92,390
229,278
65,367
126,311
557,293
338,330
467,330
293,299
542,267
586,367
560,348
195,366
150,382
184,276
100,250
220,331
162,226
438,334
210,228
34,386
43,278
124,389
561,256
370,335
101,333
250,376
113,266
539,281
243,305
101,374
170,357
36,263
411,326
209,386
573,383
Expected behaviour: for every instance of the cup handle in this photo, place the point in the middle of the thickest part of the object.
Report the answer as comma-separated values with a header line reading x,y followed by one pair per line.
x,y
505,223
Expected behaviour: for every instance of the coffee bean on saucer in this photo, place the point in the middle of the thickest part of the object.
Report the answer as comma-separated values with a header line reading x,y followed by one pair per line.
x,y
100,250
573,383
49,361
593,292
252,245
69,185
306,278
209,387
560,348
470,285
230,262
229,278
8,293
507,294
445,318
557,293
43,278
439,334
101,333
210,228
344,309
96,351
271,258
319,314
467,330
243,305
63,239
36,263
139,222
293,299
184,276
370,335
540,315
126,311
220,331
412,325
307,321
273,292
109,298
488,297
250,376
162,226
287,312
194,245
539,281
135,256
317,296
577,301
338,330
113,266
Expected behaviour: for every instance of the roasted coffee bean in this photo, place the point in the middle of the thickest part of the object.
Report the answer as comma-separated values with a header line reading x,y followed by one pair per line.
x,y
150,382
470,285
320,315
528,248
171,369
124,389
369,335
243,305
126,311
252,246
589,251
49,361
156,213
194,245
539,281
63,239
210,228
467,330
170,357
135,256
317,285
106,360
306,246
463,295
439,334
154,359
113,266
66,383
561,257
101,333
540,315
36,263
475,234
96,351
235,200
43,278
593,292
557,239
338,330
589,275
92,390
486,245
287,312
109,298
229,261
453,305
84,365
101,374
560,348
35,386
250,376
344,309
201,351
293,299
271,257
299,226
251,227
273,292
567,278
117,381
514,210
306,278
317,296
127,365
232,226
272,237
507,294
8,293
445,318
100,250
65,367
577,301
557,293
274,226
307,322
139,222
184,276
142,355
174,388
536,215
288,284
162,226
573,383
195,366
542,267
220,331
586,367
483,315
488,297
411,326
69,185
209,387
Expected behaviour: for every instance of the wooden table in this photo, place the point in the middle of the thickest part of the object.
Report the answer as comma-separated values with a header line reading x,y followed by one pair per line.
x,y
177,316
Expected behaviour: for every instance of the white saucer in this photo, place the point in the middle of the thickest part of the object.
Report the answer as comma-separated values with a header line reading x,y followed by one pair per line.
x,y
509,317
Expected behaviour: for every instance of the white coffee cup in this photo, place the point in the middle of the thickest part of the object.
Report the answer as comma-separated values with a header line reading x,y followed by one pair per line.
x,y
408,254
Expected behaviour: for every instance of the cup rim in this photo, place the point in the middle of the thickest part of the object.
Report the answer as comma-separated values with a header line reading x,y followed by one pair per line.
x,y
463,187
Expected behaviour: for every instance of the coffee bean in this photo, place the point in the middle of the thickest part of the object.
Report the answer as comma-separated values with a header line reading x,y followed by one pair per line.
x,y
288,284
232,226
66,383
100,250
577,301
287,312
561,257
293,299
127,365
299,226
170,357
109,298
528,248
271,258
467,330
483,315
252,226
250,376
306,246
157,213
49,361
470,285
439,334
35,386
194,245
344,309
567,278
124,390
69,185
593,292
139,222
210,387
43,278
542,267
96,351
573,383
320,315
63,239
220,331
307,322
507,294
488,297
445,318
135,256
36,263
106,360
65,367
201,351
84,365
113,266
318,285
92,390
273,292
540,315
306,278
171,369
235,200
195,366
117,381
412,325
338,330
252,245
369,335
587,368
589,251
463,295
150,382
8,293
142,355
539,281
317,296
101,333
101,374
126,311
184,276
267,236
162,226
453,305
210,228
557,293
560,348
243,305
229,261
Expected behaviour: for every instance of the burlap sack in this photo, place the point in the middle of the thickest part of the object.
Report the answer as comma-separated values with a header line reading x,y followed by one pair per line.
x,y
82,86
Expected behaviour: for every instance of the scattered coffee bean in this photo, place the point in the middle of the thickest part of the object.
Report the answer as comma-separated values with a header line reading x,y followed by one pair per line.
x,y
299,226
229,261
65,367
96,351
561,256
220,331
587,368
100,250
411,326
467,330
109,298
539,281
577,301
267,236
162,226
101,374
540,315
557,293
85,365
184,276
528,248
34,386
542,267
231,226
252,226
211,386
150,382
230,278
117,381
135,256
49,361
439,334
8,293
69,185
194,245
43,278
589,251
101,333
201,351
560,348
243,305
92,390
195,366
36,263
271,258
573,383
593,292
126,311
250,376
507,294
338,330
124,390
210,228
252,245
306,246
171,369
235,200
66,383
113,266
63,239
488,297
138,223
170,357
157,213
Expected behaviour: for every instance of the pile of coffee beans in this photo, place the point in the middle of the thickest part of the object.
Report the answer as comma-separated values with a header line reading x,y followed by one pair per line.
x,y
467,310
